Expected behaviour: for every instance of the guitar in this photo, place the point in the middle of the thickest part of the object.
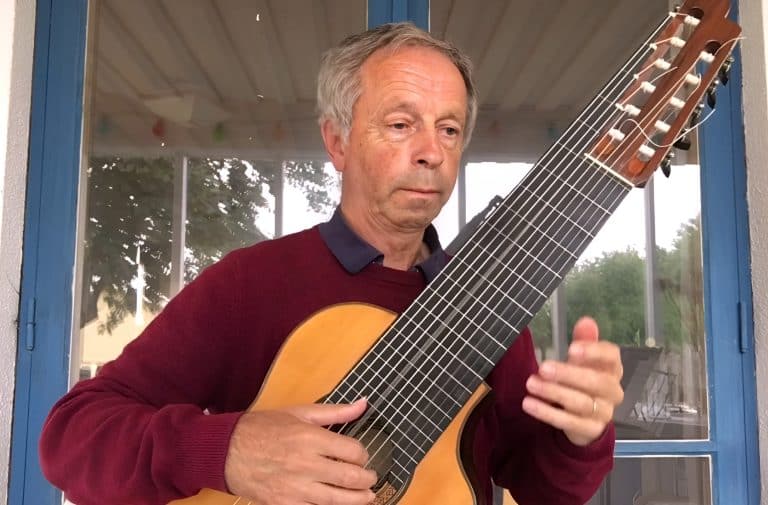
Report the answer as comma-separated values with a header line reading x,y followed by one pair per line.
x,y
423,370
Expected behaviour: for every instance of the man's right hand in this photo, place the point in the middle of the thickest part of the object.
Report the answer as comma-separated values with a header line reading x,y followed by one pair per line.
x,y
287,457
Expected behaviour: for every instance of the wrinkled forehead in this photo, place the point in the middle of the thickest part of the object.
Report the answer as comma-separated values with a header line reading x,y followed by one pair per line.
x,y
412,65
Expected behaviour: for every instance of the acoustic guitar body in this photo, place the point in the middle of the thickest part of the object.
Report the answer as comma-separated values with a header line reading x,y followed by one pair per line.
x,y
313,360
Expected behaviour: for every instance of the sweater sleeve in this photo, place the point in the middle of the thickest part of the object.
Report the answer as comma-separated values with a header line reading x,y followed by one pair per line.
x,y
534,461
139,431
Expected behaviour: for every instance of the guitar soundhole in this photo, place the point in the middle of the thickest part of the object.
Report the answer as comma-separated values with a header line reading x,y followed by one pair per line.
x,y
382,452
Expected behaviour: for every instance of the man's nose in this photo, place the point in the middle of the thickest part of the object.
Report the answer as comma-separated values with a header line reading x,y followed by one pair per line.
x,y
428,150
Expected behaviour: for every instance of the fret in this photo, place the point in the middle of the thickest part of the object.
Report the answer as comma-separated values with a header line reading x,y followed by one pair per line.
x,y
572,235
473,307
585,208
407,382
545,235
509,241
462,314
578,159
385,363
451,330
407,455
565,216
560,145
508,270
428,394
465,391
477,273
609,170
390,404
390,400
588,126
454,355
407,471
395,419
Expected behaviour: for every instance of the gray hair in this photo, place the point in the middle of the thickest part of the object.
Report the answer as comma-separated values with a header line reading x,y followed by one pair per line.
x,y
339,81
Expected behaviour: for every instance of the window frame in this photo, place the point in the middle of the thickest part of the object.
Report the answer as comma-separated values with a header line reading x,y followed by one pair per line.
x,y
45,319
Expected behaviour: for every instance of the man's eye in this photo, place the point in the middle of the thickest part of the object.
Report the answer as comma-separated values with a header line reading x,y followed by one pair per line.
x,y
399,126
451,131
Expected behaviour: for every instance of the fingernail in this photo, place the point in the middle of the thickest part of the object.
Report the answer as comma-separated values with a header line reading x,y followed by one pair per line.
x,y
529,405
547,370
576,350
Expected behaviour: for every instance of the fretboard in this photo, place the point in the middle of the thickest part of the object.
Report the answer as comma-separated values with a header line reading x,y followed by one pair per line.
x,y
424,368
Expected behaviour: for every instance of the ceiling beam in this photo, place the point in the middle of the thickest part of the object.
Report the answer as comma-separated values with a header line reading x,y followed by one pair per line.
x,y
550,40
501,45
159,12
113,25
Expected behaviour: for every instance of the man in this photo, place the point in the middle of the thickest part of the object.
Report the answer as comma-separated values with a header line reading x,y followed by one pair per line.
x,y
167,417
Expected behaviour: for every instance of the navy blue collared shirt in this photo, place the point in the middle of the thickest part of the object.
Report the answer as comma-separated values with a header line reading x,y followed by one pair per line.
x,y
354,253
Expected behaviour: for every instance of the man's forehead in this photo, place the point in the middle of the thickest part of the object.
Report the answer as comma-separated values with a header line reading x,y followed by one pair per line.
x,y
391,63
405,51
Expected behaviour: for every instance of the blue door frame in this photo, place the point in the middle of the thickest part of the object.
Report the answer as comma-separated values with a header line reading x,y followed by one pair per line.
x,y
42,368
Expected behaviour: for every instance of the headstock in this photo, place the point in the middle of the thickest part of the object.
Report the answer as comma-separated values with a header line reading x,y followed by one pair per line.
x,y
682,65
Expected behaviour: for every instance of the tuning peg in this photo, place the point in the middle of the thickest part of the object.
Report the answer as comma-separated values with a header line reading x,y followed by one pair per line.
x,y
725,70
666,164
683,143
696,114
712,94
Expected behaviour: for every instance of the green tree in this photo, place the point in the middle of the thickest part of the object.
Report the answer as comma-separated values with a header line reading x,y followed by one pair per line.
x,y
130,206
611,289
680,284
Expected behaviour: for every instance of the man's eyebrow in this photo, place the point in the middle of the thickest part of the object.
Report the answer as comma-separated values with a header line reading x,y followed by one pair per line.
x,y
411,108
401,107
458,117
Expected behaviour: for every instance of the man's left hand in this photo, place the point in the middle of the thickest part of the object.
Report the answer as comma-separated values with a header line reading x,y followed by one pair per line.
x,y
579,395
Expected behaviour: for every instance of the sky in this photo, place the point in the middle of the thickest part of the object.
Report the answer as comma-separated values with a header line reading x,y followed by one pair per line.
x,y
677,200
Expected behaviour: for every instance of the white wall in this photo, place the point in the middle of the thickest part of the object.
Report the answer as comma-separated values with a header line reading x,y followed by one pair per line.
x,y
17,28
754,21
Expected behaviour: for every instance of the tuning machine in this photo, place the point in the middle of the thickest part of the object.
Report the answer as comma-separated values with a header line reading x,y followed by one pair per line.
x,y
683,143
725,71
666,164
712,93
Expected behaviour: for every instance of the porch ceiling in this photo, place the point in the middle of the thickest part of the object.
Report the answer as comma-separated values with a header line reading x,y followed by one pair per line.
x,y
237,77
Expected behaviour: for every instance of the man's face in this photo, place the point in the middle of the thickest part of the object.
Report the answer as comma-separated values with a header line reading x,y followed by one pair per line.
x,y
401,161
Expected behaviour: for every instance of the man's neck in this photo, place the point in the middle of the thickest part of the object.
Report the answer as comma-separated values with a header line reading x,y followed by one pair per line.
x,y
401,249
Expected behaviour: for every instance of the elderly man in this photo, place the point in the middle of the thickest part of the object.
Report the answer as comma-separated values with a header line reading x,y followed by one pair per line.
x,y
170,415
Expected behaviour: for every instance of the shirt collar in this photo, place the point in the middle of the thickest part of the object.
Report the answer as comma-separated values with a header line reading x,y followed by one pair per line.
x,y
354,253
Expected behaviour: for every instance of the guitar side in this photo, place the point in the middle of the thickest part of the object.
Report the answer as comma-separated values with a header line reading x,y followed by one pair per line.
x,y
313,360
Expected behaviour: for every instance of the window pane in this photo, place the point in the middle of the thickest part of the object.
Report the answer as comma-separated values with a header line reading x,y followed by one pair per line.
x,y
656,481
641,276
200,137
649,300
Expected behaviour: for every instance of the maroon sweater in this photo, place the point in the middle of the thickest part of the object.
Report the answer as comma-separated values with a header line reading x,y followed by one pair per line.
x,y
155,424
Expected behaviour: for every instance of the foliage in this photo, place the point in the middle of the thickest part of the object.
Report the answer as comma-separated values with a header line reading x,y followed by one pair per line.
x,y
611,289
130,208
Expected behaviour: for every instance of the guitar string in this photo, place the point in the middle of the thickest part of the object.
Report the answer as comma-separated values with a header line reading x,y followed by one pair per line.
x,y
544,234
550,238
565,249
641,51
643,133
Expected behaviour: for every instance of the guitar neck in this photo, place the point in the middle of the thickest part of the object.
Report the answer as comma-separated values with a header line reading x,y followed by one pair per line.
x,y
426,366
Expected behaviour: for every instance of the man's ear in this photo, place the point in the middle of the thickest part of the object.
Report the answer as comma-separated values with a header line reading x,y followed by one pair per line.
x,y
334,143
